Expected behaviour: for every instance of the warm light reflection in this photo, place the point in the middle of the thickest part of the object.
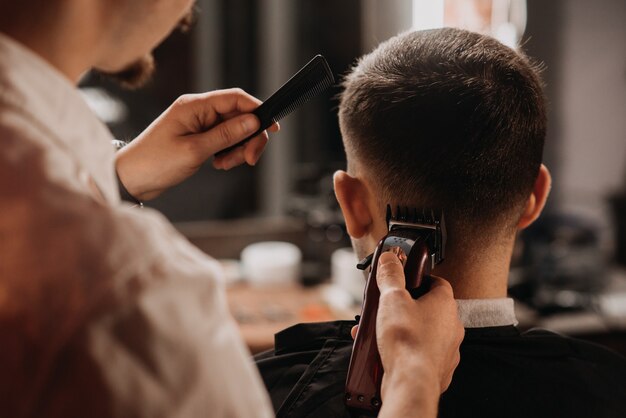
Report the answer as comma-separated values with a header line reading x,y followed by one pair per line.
x,y
503,19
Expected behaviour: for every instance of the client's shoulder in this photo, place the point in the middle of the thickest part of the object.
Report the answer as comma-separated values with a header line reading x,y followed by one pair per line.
x,y
536,346
577,348
296,347
306,369
504,372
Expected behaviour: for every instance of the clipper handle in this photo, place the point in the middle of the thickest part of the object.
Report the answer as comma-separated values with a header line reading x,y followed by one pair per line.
x,y
365,372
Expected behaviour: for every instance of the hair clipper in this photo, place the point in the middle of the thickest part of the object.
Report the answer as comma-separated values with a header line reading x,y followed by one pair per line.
x,y
418,238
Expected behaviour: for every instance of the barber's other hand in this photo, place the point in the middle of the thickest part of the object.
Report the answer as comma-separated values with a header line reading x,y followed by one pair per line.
x,y
418,341
189,132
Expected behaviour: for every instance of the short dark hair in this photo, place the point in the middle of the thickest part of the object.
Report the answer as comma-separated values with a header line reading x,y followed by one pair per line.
x,y
447,118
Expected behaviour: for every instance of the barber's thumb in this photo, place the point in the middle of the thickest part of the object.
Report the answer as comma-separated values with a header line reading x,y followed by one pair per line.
x,y
390,273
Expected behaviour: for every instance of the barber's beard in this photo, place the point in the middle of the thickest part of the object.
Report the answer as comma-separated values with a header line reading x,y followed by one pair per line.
x,y
139,72
135,75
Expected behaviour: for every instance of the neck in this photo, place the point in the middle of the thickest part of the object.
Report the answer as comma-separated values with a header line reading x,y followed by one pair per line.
x,y
51,33
473,274
479,275
476,271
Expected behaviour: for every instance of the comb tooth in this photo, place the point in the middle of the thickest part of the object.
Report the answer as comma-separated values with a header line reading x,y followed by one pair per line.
x,y
398,213
414,215
388,214
406,214
309,94
309,90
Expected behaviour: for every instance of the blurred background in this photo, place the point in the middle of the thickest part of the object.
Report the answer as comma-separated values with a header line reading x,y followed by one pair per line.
x,y
568,271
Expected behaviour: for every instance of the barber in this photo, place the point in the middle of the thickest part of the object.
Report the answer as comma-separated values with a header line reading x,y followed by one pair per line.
x,y
106,310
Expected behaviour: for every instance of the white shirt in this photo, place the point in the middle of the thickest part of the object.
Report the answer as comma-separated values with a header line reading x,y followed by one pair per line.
x,y
481,313
105,310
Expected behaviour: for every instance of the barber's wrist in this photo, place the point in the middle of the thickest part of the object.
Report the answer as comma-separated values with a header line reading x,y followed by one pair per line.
x,y
411,390
127,194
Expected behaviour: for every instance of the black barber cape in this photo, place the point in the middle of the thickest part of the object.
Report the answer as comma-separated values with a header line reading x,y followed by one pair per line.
x,y
503,373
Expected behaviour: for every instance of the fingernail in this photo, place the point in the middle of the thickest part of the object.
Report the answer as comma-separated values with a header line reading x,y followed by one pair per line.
x,y
255,159
249,123
388,259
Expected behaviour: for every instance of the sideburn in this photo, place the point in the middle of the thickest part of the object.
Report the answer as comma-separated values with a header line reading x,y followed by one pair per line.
x,y
134,76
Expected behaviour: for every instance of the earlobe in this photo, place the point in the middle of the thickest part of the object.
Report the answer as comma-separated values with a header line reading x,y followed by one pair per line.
x,y
537,199
352,197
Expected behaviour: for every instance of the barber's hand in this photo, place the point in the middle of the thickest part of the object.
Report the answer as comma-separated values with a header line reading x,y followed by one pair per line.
x,y
189,132
418,341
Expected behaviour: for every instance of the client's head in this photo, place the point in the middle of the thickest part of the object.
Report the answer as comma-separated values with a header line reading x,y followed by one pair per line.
x,y
444,119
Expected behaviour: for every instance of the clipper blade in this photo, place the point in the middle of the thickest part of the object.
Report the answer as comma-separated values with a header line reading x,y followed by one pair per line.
x,y
422,218
414,215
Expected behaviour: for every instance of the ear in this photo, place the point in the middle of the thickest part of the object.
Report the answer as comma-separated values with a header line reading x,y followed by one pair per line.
x,y
352,196
537,199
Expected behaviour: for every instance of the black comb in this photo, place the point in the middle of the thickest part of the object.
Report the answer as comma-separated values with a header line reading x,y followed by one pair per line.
x,y
310,81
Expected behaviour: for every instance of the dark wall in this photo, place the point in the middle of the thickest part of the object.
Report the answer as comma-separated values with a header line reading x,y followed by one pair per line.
x,y
542,42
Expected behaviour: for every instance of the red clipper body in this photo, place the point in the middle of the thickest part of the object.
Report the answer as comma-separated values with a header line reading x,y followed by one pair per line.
x,y
418,239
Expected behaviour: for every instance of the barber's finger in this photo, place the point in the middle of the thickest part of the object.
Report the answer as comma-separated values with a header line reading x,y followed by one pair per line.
x,y
440,287
390,274
225,134
232,159
274,128
456,360
208,106
353,331
255,147
198,113
249,153
232,102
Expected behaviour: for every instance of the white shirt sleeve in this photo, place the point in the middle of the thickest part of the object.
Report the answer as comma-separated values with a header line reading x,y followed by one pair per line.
x,y
172,349
116,314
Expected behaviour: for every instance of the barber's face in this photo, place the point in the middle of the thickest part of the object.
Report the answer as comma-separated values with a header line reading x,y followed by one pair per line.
x,y
137,28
